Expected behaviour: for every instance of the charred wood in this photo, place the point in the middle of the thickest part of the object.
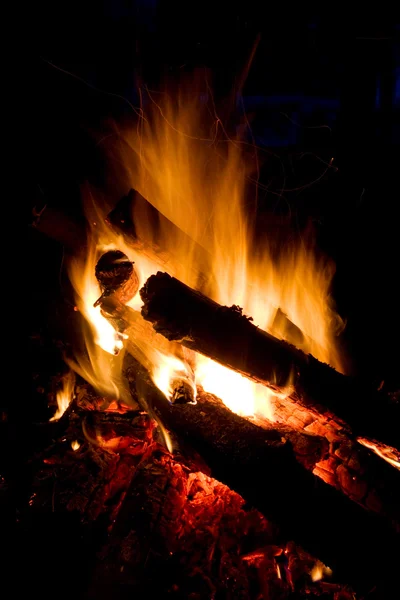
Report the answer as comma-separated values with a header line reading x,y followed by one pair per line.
x,y
264,469
227,336
59,227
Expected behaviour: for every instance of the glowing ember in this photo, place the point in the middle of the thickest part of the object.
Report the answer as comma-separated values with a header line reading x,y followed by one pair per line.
x,y
65,395
391,455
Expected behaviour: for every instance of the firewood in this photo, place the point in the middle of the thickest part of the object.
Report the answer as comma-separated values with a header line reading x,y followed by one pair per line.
x,y
262,466
228,337
142,341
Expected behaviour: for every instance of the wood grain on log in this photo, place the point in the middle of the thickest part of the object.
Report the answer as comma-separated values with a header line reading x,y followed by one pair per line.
x,y
227,336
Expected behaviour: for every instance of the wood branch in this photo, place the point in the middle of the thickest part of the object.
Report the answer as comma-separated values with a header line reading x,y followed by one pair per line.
x,y
262,465
228,337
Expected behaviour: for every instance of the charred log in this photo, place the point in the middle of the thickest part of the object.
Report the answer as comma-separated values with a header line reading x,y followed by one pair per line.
x,y
263,466
143,341
227,336
351,467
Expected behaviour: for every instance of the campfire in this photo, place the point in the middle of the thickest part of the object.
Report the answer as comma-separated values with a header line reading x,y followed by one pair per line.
x,y
207,429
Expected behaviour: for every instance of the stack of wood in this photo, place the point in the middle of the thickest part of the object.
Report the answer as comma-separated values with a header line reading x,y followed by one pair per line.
x,y
306,472
143,511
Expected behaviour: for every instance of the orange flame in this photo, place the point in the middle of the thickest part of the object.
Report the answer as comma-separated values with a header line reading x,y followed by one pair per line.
x,y
65,395
199,185
319,571
199,182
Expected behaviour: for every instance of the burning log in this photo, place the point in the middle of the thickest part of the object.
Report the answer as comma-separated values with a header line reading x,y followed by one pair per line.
x,y
119,283
264,467
228,337
134,209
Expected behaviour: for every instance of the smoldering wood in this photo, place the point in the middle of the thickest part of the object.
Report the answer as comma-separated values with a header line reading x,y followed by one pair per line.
x,y
163,513
227,336
357,472
352,468
264,469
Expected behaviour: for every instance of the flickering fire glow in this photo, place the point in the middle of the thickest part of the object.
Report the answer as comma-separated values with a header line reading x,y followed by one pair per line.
x,y
65,395
200,187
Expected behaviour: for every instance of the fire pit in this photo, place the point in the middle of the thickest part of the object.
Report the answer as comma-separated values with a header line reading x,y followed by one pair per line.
x,y
208,441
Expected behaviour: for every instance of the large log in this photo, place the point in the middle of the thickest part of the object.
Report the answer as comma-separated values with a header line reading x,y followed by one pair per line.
x,y
140,510
262,466
228,337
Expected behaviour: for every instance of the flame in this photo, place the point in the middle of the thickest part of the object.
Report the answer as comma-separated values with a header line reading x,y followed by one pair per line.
x,y
319,571
167,370
239,394
65,395
100,361
75,445
199,181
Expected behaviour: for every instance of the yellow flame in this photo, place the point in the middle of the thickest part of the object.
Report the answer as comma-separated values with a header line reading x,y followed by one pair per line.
x,y
199,182
240,395
100,361
65,395
169,368
319,571
75,445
